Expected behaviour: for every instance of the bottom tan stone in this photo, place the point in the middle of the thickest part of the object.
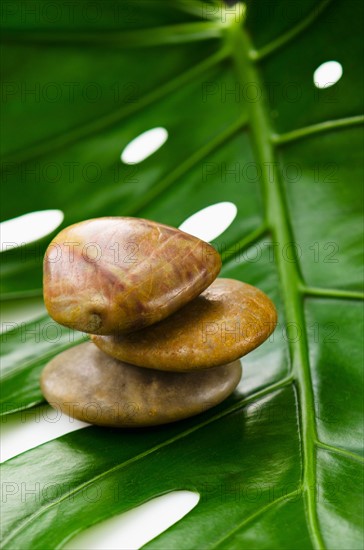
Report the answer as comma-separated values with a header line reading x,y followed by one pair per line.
x,y
87,384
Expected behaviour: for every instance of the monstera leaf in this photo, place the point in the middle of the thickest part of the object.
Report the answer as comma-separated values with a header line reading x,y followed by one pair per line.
x,y
279,464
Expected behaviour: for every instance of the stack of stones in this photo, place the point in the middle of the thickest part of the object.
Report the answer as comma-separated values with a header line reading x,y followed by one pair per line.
x,y
167,335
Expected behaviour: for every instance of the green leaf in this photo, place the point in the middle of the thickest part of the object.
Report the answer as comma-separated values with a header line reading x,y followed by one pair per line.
x,y
279,464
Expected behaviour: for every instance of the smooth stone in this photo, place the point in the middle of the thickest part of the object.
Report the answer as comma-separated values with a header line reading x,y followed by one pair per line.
x,y
111,275
88,385
224,323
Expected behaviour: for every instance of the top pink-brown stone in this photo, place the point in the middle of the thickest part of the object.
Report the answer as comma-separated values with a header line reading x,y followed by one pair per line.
x,y
115,275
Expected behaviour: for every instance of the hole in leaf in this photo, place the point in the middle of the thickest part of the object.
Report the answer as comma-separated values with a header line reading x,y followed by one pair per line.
x,y
210,222
327,74
136,527
31,427
144,145
29,227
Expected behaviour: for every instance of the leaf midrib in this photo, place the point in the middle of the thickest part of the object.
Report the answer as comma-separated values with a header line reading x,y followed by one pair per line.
x,y
290,276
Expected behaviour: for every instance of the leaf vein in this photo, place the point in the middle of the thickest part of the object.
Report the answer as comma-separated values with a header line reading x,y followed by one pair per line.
x,y
306,131
256,514
277,43
96,126
232,409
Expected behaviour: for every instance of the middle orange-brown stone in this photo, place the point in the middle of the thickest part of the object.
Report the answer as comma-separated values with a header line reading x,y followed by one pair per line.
x,y
225,322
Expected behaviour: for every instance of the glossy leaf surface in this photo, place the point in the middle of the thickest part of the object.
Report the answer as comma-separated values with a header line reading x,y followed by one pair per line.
x,y
279,464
